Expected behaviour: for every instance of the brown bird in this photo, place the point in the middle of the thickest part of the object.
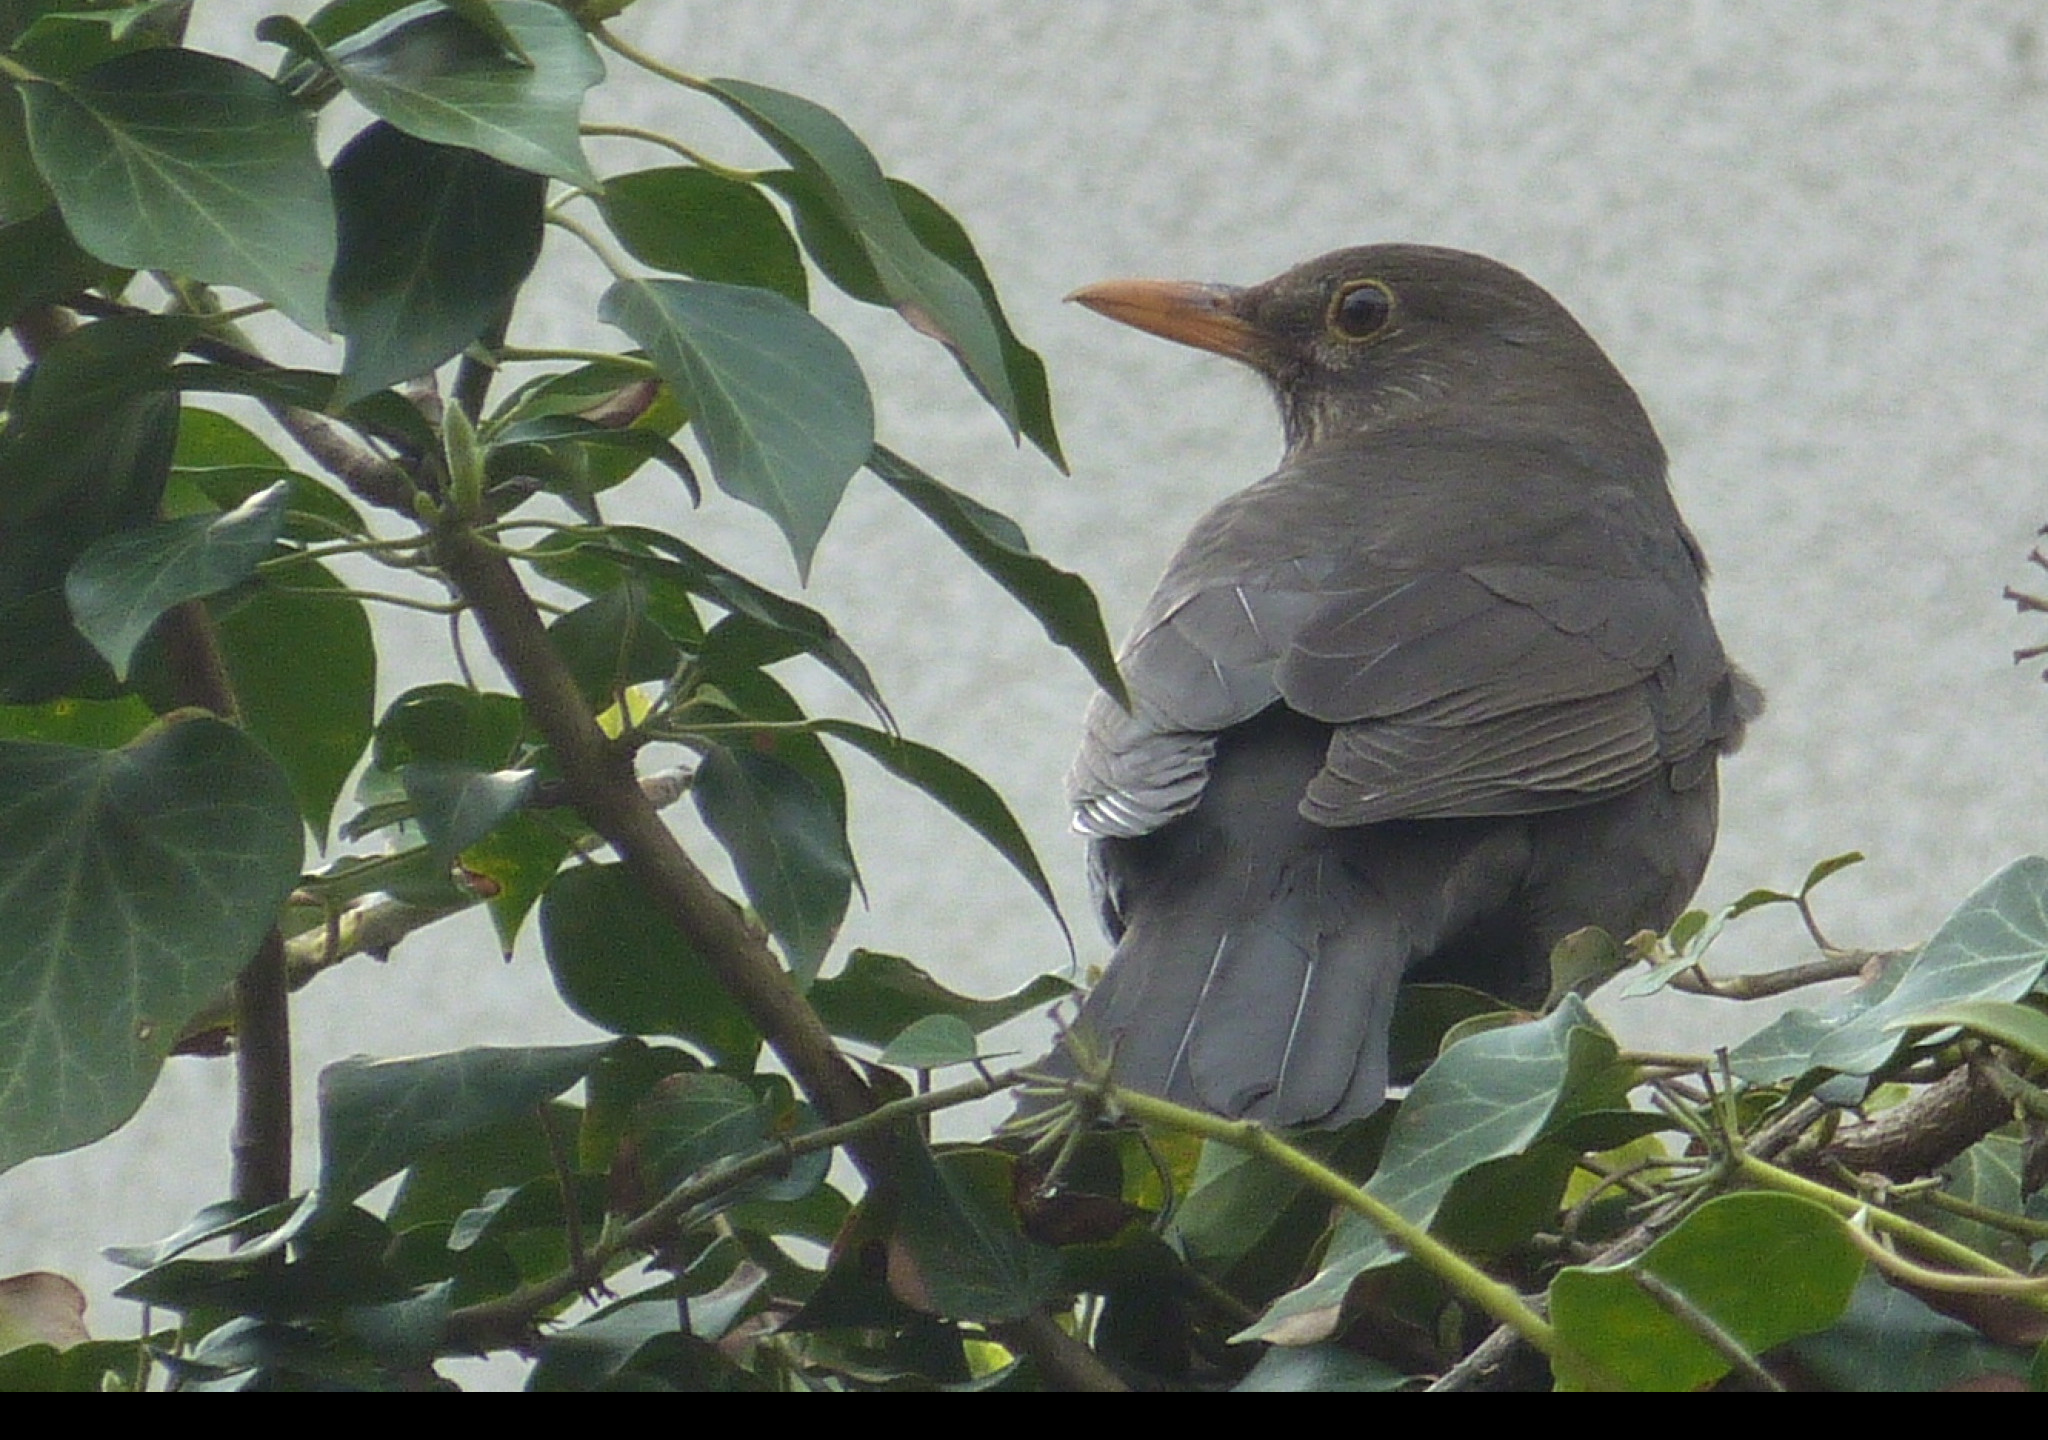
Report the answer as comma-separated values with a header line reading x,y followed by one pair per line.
x,y
1437,692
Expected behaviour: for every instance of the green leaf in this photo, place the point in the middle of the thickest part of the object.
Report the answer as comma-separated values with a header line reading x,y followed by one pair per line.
x,y
40,262
611,644
621,964
435,75
134,885
1994,947
22,191
123,582
187,162
519,857
787,844
449,723
710,227
1763,1268
304,667
969,797
435,241
1891,1342
931,294
457,806
1322,1369
95,724
876,997
1058,599
932,1042
578,458
1491,1095
778,401
957,1251
2020,1026
379,1116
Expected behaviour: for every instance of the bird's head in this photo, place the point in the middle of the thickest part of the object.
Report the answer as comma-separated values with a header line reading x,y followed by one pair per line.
x,y
1378,336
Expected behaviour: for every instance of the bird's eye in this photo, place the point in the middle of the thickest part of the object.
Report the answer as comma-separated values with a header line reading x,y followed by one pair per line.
x,y
1361,309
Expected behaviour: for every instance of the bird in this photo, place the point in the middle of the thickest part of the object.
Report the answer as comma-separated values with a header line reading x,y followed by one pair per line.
x,y
1440,690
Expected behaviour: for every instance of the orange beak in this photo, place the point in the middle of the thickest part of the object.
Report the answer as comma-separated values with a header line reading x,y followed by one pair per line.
x,y
1204,316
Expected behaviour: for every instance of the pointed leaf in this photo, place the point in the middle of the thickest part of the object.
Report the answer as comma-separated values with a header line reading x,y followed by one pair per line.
x,y
788,845
1761,1268
435,240
1491,1095
40,262
930,293
877,996
134,885
611,643
930,1043
969,797
692,222
620,964
123,582
519,857
378,1116
1058,599
778,401
2020,1026
177,160
457,806
957,1251
304,667
1994,947
435,75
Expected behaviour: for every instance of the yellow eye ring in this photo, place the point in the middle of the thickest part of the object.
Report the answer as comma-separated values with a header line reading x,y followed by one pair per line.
x,y
1361,309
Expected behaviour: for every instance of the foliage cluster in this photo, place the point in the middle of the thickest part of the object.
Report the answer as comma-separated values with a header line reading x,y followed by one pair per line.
x,y
1850,1197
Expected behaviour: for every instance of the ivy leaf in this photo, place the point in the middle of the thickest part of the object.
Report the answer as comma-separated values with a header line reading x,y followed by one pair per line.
x,y
971,799
689,221
876,997
778,401
123,582
134,885
1058,599
457,806
435,240
787,843
378,1116
177,160
436,75
929,293
621,964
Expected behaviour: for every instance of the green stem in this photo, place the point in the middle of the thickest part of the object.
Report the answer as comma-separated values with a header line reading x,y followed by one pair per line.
x,y
674,146
1461,1275
597,244
1933,1243
645,61
515,354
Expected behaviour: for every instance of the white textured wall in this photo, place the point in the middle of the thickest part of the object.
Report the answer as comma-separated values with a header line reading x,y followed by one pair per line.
x,y
1811,234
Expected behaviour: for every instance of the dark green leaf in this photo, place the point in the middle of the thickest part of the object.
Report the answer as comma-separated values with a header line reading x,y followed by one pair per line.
x,y
1890,1342
787,844
1290,1369
134,885
582,457
621,964
451,724
1763,1268
969,797
694,1120
123,582
304,667
22,191
1491,1095
88,1369
435,242
611,644
518,859
778,401
378,1116
957,1250
456,806
930,293
1058,599
710,227
216,177
2020,1026
40,262
877,996
435,75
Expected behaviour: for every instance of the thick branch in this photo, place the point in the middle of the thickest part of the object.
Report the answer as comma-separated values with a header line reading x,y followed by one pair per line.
x,y
600,776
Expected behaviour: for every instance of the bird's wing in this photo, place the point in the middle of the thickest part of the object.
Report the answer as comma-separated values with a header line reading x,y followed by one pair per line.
x,y
1501,688
1489,688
